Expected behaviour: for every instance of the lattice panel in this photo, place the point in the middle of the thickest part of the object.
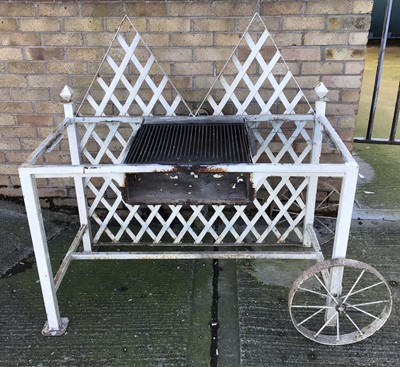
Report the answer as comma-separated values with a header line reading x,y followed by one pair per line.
x,y
104,143
256,79
281,141
276,214
130,81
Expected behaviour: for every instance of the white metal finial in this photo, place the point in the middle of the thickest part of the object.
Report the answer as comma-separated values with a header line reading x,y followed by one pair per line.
x,y
67,93
321,90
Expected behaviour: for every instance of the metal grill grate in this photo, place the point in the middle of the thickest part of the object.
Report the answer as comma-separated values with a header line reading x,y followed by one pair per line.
x,y
190,143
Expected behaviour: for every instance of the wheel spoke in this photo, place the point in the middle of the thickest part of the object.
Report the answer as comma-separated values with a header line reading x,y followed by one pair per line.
x,y
366,288
355,325
354,285
327,291
326,324
337,327
311,291
370,303
364,312
310,317
305,306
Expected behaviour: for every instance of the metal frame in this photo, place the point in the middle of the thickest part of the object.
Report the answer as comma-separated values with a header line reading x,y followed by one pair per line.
x,y
94,156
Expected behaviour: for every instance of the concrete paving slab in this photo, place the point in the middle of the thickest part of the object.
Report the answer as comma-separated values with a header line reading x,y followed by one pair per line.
x,y
15,240
267,336
122,313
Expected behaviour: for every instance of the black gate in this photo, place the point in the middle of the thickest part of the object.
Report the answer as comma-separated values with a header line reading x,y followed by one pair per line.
x,y
392,136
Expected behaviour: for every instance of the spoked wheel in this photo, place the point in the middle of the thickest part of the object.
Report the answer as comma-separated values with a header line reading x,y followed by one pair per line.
x,y
357,312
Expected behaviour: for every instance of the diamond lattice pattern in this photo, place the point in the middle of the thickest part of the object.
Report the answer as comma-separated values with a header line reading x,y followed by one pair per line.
x,y
256,80
130,81
268,217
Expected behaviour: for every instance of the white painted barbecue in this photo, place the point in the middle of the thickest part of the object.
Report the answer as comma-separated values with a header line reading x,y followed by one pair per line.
x,y
240,183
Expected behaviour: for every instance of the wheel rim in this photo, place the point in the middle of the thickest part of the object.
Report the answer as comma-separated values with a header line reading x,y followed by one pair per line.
x,y
355,313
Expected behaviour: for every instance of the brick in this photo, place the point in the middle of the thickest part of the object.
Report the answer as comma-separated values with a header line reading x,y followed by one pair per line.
x,y
146,9
354,67
281,8
362,6
20,39
272,23
342,109
173,54
322,38
39,25
8,53
7,24
102,10
34,120
13,81
182,82
98,39
192,39
344,53
16,156
83,24
308,81
6,120
193,68
287,39
322,68
113,24
301,53
347,123
169,25
156,39
15,107
234,9
21,132
58,10
227,39
359,38
4,180
8,169
48,107
335,81
350,23
42,81
350,96
18,10
197,9
10,144
62,39
30,143
30,94
88,54
25,67
303,23
213,25
4,94
42,53
67,68
328,7
203,81
214,54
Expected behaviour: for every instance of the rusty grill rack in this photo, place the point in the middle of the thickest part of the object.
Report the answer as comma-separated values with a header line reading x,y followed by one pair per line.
x,y
190,142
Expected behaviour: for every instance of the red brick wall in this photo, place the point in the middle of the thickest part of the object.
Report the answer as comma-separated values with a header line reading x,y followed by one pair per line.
x,y
45,45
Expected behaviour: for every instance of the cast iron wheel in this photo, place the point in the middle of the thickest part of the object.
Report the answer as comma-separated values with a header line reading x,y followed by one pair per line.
x,y
361,308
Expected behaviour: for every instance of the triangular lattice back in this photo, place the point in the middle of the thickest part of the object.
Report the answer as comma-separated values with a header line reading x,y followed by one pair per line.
x,y
256,79
130,81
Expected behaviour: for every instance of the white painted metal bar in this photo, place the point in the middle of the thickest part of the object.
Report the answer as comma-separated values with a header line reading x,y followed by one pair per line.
x,y
75,153
62,270
295,170
49,143
293,255
38,235
313,184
